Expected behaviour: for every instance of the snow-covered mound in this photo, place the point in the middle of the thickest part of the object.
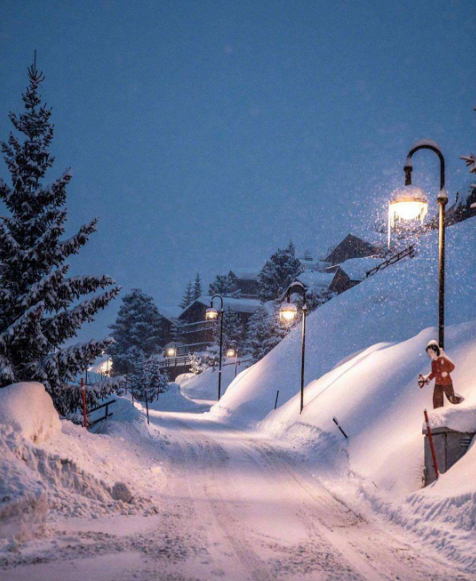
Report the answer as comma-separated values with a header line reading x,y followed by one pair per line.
x,y
28,409
391,306
204,386
365,349
74,473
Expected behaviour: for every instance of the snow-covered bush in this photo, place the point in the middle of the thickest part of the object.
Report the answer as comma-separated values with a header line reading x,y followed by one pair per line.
x,y
196,365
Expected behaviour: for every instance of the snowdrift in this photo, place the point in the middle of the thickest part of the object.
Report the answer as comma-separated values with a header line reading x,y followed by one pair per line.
x,y
28,409
389,307
26,414
364,352
204,386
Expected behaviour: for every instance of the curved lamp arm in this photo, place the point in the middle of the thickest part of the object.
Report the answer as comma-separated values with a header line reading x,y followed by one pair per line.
x,y
432,146
221,300
300,286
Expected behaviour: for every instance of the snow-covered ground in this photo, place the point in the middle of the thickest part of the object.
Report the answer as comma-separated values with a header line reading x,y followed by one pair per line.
x,y
243,491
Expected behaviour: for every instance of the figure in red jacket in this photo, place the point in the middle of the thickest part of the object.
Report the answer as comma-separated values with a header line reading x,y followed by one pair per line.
x,y
441,367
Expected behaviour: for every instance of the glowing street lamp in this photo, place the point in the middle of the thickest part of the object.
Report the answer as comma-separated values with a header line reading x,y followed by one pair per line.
x,y
407,203
233,353
287,313
212,315
410,203
171,351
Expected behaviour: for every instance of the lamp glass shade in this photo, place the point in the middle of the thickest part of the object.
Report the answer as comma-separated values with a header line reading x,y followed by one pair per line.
x,y
288,312
211,314
408,203
171,352
230,353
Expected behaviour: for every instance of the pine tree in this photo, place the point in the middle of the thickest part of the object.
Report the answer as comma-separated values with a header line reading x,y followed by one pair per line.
x,y
139,325
39,309
232,329
197,288
264,332
139,376
278,273
157,380
187,297
224,285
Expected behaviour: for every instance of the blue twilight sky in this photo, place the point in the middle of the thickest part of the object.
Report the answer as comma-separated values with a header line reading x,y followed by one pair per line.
x,y
205,134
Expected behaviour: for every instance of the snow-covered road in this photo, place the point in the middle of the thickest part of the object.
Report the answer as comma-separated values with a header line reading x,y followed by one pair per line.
x,y
235,506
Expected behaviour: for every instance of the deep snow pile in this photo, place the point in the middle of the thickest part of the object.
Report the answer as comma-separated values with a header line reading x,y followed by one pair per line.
x,y
204,386
57,469
365,350
391,306
28,409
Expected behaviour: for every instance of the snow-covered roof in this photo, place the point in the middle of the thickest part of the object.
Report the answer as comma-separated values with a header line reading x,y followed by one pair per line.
x,y
316,281
357,268
170,312
240,305
246,273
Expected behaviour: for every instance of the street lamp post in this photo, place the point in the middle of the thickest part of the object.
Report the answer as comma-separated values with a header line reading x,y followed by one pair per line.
x,y
288,312
408,208
212,315
233,353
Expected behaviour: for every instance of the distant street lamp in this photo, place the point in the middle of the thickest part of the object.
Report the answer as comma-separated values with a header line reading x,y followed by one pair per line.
x,y
171,351
288,313
212,315
410,202
233,353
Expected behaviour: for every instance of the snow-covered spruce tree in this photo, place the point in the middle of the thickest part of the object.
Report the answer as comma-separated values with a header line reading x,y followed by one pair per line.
x,y
139,325
187,296
138,376
233,330
278,273
157,380
264,332
146,379
224,285
39,308
197,287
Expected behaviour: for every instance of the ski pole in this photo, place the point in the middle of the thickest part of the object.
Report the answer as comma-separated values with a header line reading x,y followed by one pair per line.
x,y
432,447
276,402
338,425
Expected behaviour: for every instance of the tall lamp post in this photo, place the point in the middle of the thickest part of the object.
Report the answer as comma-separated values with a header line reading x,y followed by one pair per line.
x,y
212,315
410,202
288,313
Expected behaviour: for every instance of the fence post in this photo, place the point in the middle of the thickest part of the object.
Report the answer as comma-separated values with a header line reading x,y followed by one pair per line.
x,y
83,395
147,407
276,402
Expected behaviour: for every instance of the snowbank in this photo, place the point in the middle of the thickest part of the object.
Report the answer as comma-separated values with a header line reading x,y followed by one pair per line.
x,y
23,497
460,419
391,306
204,386
364,351
27,408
